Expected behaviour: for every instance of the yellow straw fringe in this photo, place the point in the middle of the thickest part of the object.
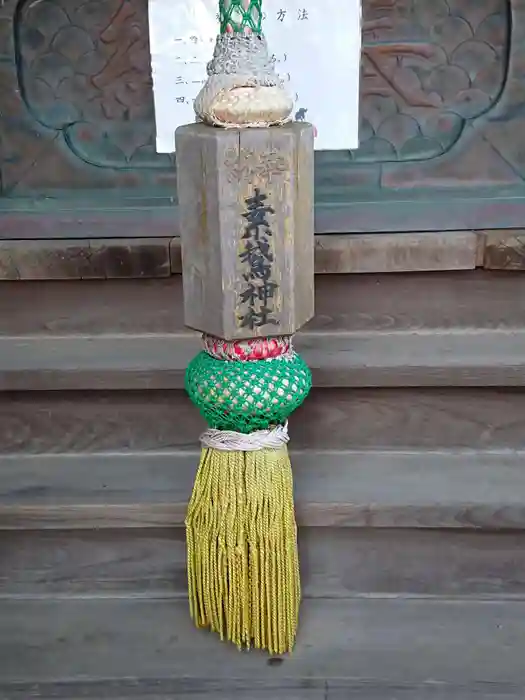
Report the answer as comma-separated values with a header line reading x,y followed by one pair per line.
x,y
243,568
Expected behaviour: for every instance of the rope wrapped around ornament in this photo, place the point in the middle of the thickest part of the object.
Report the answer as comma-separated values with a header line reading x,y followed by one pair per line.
x,y
242,88
243,567
230,441
252,349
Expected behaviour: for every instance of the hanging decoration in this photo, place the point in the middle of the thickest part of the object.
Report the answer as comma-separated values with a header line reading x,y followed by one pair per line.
x,y
246,221
243,565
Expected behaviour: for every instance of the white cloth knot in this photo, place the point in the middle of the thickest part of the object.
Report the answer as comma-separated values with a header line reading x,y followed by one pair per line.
x,y
231,441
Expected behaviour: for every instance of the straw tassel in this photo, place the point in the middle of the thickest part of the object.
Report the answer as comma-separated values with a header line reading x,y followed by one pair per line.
x,y
243,568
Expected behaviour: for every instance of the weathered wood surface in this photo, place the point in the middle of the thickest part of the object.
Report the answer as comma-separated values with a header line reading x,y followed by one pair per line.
x,y
221,173
341,419
396,641
384,330
455,300
402,252
194,689
504,250
417,489
91,259
146,258
286,689
334,564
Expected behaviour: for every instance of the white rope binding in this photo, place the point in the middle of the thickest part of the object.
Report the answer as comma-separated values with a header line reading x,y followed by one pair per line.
x,y
230,441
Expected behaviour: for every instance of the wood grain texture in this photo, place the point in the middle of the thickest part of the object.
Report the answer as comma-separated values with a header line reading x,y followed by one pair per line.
x,y
505,250
402,252
456,301
404,186
334,564
396,641
75,259
107,218
347,359
203,214
85,259
343,489
32,423
239,689
218,172
162,689
389,330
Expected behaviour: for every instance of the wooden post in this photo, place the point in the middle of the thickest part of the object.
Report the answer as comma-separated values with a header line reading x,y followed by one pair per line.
x,y
247,229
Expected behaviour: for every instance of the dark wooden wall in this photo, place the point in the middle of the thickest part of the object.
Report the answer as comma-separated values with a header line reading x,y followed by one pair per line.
x,y
442,116
409,483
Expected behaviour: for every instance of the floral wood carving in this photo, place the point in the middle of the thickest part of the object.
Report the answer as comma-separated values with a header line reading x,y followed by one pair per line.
x,y
84,70
438,107
428,67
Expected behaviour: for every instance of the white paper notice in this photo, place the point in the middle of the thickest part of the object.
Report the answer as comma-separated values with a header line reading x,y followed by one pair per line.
x,y
317,46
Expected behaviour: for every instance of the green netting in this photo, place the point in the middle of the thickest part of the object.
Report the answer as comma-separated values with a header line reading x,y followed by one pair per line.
x,y
247,396
236,16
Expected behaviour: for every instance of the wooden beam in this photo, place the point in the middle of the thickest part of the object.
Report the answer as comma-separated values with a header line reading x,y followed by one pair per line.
x,y
110,214
488,357
505,250
158,257
402,252
85,259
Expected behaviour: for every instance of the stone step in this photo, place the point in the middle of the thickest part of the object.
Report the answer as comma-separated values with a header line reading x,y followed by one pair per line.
x,y
434,329
376,649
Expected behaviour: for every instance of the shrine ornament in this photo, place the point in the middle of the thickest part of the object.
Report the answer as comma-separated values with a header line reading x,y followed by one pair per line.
x,y
245,189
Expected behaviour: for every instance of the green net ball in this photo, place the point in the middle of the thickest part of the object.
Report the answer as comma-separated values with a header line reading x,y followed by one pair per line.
x,y
238,15
247,396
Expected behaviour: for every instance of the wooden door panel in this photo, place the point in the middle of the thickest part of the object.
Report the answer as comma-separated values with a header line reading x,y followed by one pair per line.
x,y
442,122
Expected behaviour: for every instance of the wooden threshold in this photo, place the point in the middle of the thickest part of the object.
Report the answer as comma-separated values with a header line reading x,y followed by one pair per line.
x,y
157,257
135,258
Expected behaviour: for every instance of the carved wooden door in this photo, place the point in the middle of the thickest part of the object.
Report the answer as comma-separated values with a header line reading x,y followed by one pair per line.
x,y
442,122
